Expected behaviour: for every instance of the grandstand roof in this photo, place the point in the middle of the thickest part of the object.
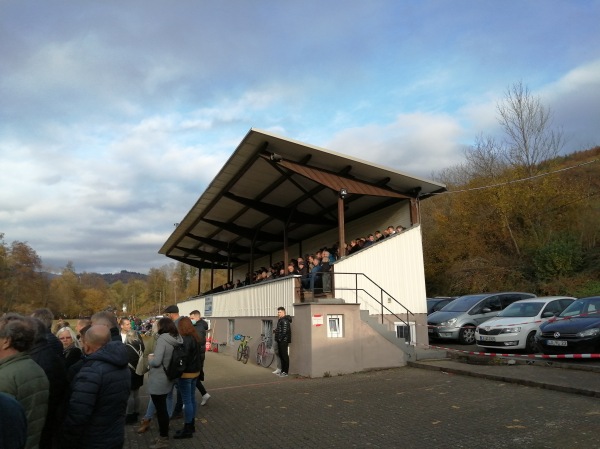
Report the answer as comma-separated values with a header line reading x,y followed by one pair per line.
x,y
273,188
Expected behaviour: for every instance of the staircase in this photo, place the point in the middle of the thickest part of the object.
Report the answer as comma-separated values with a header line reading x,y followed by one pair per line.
x,y
413,353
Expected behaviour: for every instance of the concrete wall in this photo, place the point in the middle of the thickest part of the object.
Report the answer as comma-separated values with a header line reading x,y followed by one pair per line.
x,y
314,354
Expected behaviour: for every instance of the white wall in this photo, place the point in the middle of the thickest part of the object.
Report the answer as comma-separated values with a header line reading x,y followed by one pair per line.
x,y
257,300
396,265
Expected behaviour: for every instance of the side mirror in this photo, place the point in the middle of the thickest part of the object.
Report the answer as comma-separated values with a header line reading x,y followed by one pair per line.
x,y
548,314
486,310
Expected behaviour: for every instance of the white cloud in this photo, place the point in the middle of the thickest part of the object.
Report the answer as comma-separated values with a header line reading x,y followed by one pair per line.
x,y
113,119
414,143
575,102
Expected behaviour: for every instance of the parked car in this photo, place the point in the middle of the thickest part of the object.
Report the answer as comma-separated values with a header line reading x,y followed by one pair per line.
x,y
458,320
435,304
575,331
516,326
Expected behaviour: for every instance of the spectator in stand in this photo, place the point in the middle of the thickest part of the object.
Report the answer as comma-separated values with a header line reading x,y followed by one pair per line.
x,y
400,229
326,270
332,253
303,272
353,246
379,236
391,230
71,346
292,270
315,277
20,376
370,240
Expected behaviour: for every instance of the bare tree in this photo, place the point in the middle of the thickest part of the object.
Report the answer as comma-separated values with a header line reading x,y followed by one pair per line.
x,y
527,123
485,158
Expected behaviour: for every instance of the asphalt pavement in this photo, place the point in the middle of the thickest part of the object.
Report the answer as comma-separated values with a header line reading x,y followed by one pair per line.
x,y
445,403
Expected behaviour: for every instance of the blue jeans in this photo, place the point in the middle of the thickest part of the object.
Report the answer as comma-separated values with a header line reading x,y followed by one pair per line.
x,y
151,410
188,395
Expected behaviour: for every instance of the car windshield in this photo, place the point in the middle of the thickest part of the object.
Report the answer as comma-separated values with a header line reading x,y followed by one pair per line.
x,y
463,304
522,309
583,307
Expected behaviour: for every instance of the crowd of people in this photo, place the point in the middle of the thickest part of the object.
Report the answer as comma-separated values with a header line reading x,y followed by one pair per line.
x,y
320,261
78,387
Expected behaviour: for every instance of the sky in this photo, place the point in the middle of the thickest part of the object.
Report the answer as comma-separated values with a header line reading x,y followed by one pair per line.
x,y
115,115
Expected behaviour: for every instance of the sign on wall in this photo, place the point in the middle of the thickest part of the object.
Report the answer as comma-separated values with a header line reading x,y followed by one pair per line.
x,y
317,320
208,306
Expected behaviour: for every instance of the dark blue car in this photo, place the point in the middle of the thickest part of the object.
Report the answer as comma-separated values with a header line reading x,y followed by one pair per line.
x,y
575,331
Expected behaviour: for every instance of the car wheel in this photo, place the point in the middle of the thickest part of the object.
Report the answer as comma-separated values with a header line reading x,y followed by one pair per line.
x,y
466,336
530,344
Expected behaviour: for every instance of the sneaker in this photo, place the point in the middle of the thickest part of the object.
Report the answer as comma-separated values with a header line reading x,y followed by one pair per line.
x,y
277,371
205,399
283,375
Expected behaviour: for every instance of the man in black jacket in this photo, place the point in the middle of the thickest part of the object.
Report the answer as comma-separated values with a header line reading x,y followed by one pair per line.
x,y
283,337
95,415
54,366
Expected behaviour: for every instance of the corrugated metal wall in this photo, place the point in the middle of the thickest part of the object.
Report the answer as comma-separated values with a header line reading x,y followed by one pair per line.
x,y
258,300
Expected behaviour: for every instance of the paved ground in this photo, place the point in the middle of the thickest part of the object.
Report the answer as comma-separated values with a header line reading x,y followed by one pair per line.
x,y
407,407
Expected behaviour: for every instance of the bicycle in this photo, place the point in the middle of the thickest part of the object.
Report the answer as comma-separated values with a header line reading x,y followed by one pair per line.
x,y
243,351
264,354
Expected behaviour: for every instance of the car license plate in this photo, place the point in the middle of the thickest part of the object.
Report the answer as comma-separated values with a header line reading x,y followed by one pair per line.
x,y
556,343
486,338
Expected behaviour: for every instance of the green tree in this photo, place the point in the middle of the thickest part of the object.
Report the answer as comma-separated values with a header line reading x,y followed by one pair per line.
x,y
22,285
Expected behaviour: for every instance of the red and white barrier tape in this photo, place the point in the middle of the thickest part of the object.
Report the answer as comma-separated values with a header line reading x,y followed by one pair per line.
x,y
525,356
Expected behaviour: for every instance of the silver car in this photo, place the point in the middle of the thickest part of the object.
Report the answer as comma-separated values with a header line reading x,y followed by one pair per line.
x,y
458,320
515,327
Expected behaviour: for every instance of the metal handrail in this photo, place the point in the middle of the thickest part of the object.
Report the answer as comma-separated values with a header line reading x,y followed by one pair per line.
x,y
382,291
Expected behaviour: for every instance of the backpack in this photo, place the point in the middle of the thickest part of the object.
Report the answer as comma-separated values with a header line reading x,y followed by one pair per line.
x,y
141,367
177,364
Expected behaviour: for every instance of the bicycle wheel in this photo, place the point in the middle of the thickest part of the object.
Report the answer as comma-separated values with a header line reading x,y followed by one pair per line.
x,y
240,351
259,353
268,357
245,354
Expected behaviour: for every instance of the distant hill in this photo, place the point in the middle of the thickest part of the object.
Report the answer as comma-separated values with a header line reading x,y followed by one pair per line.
x,y
124,276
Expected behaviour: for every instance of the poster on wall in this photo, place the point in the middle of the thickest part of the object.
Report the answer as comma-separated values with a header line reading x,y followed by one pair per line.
x,y
208,306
